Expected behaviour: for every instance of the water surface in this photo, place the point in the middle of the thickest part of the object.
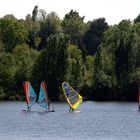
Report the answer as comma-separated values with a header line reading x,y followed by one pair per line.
x,y
96,121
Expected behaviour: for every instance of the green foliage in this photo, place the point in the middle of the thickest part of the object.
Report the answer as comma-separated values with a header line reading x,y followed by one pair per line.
x,y
135,61
15,97
34,13
50,26
123,48
73,15
104,77
2,94
89,71
134,72
35,49
104,73
12,32
33,28
137,19
74,26
2,47
74,68
51,63
7,72
94,35
88,78
25,59
53,24
115,62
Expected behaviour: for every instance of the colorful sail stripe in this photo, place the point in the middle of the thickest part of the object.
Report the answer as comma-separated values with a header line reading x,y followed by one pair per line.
x,y
45,90
43,96
29,94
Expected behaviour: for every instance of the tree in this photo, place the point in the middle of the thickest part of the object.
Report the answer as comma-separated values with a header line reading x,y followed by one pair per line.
x,y
33,29
50,26
94,35
74,26
104,77
115,59
88,78
25,59
35,13
75,68
51,64
41,15
137,19
2,47
122,54
7,72
89,71
134,72
12,32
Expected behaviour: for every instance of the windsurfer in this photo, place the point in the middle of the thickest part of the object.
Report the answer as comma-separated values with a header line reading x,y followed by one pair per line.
x,y
49,104
72,97
71,109
139,108
28,107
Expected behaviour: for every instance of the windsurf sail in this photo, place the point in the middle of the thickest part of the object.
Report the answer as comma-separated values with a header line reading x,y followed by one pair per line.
x,y
29,94
43,99
72,97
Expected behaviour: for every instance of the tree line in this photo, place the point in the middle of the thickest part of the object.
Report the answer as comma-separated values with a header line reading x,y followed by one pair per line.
x,y
100,61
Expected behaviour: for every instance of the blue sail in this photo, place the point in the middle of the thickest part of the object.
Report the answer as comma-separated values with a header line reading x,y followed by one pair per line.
x,y
43,99
29,94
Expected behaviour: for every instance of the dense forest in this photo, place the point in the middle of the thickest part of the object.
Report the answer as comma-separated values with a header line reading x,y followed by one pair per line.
x,y
101,61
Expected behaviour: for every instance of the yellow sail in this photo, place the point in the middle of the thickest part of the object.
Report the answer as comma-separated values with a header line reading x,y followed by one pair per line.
x,y
72,97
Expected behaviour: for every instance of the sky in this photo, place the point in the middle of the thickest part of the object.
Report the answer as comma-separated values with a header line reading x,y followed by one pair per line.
x,y
112,10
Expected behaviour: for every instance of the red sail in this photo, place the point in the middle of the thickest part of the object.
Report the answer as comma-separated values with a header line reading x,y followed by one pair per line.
x,y
29,94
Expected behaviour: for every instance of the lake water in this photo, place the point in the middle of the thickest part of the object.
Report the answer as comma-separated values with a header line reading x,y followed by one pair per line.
x,y
96,121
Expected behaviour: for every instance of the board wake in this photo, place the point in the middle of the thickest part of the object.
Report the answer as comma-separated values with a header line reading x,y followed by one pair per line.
x,y
75,112
50,111
47,111
26,110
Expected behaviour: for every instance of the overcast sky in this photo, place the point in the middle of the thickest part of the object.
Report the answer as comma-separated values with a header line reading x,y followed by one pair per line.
x,y
113,10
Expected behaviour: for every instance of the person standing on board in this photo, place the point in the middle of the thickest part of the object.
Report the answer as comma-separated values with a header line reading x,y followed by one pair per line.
x,y
28,107
71,109
49,104
139,108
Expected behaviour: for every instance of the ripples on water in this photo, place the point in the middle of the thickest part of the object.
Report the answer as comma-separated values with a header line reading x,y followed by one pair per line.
x,y
96,121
